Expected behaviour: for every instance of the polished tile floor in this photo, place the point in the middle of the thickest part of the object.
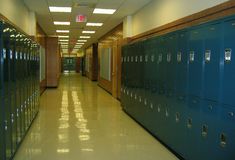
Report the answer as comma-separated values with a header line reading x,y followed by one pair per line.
x,y
80,121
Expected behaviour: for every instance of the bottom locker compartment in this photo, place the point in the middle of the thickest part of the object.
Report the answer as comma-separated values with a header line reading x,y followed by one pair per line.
x,y
208,124
192,129
226,134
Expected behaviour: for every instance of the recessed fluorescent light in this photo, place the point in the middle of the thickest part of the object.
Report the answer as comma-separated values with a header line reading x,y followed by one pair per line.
x,y
63,36
94,24
62,31
85,36
60,9
64,43
103,11
82,40
63,40
61,23
88,32
80,43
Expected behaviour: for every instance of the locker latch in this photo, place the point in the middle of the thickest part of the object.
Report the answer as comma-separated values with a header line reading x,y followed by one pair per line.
x,y
179,57
191,56
228,55
207,55
168,57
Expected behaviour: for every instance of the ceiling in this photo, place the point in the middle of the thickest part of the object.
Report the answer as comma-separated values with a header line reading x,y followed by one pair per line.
x,y
85,7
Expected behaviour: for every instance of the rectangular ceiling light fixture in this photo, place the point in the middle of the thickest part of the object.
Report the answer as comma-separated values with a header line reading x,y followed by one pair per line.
x,y
85,37
94,24
82,40
63,36
64,43
61,23
103,11
89,32
80,43
62,31
63,40
60,9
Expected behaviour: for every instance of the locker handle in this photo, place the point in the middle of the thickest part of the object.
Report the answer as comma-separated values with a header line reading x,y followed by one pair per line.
x,y
231,114
204,130
223,140
210,107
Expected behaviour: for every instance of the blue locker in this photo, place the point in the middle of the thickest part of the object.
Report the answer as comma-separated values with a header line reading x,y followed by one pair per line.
x,y
2,109
179,102
225,134
208,123
193,129
7,102
148,75
182,65
195,58
212,54
228,90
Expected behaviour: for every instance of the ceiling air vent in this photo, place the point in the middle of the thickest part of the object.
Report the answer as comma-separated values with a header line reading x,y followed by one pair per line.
x,y
84,4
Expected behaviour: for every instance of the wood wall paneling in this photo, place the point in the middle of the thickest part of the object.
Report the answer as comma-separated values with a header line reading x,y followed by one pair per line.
x,y
41,39
53,61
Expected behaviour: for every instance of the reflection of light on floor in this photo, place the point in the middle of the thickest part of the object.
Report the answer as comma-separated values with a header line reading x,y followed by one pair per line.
x,y
64,118
81,123
63,150
87,149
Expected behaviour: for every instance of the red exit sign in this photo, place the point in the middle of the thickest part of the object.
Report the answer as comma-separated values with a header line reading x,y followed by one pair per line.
x,y
81,18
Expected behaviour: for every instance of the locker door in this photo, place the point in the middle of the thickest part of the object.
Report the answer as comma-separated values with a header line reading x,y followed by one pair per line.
x,y
140,92
179,103
12,84
209,117
225,134
147,81
2,111
213,41
228,90
7,104
195,57
151,105
123,77
18,88
22,88
193,128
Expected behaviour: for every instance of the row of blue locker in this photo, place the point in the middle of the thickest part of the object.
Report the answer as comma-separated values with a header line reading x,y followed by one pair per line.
x,y
196,61
180,86
19,87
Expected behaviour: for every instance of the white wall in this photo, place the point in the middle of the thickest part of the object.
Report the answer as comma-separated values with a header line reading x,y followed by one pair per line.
x,y
160,12
19,15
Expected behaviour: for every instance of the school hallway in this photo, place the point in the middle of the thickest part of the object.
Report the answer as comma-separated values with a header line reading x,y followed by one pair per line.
x,y
81,121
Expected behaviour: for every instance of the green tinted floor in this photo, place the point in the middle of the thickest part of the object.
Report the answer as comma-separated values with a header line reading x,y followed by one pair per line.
x,y
80,121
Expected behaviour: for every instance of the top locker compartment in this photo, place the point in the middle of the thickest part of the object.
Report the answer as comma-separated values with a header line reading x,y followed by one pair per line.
x,y
228,88
212,54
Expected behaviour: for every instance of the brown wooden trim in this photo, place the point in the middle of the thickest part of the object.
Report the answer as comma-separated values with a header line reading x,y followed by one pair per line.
x,y
42,86
105,84
118,27
219,11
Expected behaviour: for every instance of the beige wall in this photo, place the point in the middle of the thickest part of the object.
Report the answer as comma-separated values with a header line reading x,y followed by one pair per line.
x,y
19,15
160,12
